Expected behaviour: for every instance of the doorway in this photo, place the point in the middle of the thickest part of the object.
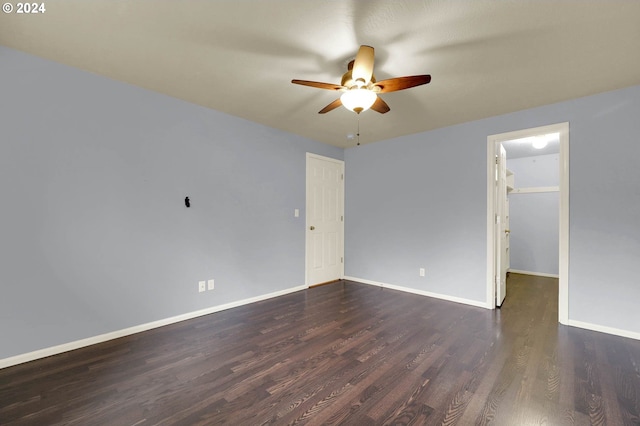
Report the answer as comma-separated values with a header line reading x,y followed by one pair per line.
x,y
324,233
495,217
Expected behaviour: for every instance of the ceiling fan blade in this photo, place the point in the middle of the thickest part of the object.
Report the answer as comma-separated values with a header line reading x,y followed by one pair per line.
x,y
380,106
363,65
401,83
318,84
333,105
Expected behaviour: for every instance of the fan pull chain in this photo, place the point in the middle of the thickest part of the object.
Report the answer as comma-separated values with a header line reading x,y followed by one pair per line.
x,y
358,134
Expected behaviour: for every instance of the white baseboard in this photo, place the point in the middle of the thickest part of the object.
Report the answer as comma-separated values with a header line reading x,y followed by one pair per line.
x,y
539,274
604,329
54,350
421,292
572,323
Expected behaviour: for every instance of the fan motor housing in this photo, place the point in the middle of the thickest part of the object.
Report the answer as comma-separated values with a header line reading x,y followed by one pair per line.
x,y
347,80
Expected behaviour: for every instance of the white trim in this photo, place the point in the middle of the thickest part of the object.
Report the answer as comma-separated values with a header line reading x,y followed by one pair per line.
x,y
563,227
604,329
420,292
563,244
491,214
539,274
55,350
535,189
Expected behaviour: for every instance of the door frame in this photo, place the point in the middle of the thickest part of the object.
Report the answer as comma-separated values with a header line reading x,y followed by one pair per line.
x,y
500,238
563,243
307,220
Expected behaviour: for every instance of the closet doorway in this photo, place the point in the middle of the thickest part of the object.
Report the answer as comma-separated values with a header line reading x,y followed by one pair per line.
x,y
499,246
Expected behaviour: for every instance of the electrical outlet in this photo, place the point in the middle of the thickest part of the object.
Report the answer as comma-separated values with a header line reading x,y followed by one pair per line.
x,y
202,286
422,272
210,284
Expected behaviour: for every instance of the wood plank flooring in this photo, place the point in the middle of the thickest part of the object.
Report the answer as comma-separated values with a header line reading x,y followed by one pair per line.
x,y
344,353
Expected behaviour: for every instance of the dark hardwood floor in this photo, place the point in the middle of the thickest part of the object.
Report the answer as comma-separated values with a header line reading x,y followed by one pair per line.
x,y
344,353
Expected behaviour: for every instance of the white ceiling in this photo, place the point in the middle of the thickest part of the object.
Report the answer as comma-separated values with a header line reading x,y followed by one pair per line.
x,y
486,57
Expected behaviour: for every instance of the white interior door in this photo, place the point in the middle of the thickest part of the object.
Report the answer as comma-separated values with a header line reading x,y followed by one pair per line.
x,y
325,220
507,231
502,261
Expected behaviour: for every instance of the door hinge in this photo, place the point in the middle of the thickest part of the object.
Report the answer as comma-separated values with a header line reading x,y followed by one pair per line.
x,y
342,176
342,260
341,218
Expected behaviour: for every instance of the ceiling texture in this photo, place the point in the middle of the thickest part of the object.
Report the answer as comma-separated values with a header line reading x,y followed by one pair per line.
x,y
486,57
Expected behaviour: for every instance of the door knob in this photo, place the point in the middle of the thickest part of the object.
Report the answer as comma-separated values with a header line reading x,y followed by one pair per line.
x,y
312,227
507,231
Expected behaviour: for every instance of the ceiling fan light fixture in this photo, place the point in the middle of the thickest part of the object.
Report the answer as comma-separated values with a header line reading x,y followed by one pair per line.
x,y
360,86
358,99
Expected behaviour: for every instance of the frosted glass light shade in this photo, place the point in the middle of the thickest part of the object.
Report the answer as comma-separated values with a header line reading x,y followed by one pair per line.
x,y
358,100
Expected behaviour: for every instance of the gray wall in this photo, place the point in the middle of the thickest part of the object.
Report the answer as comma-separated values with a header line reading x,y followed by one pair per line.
x,y
534,217
94,234
420,200
413,203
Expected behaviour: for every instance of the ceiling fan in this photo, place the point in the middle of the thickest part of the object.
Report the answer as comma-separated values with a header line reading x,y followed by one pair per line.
x,y
360,86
